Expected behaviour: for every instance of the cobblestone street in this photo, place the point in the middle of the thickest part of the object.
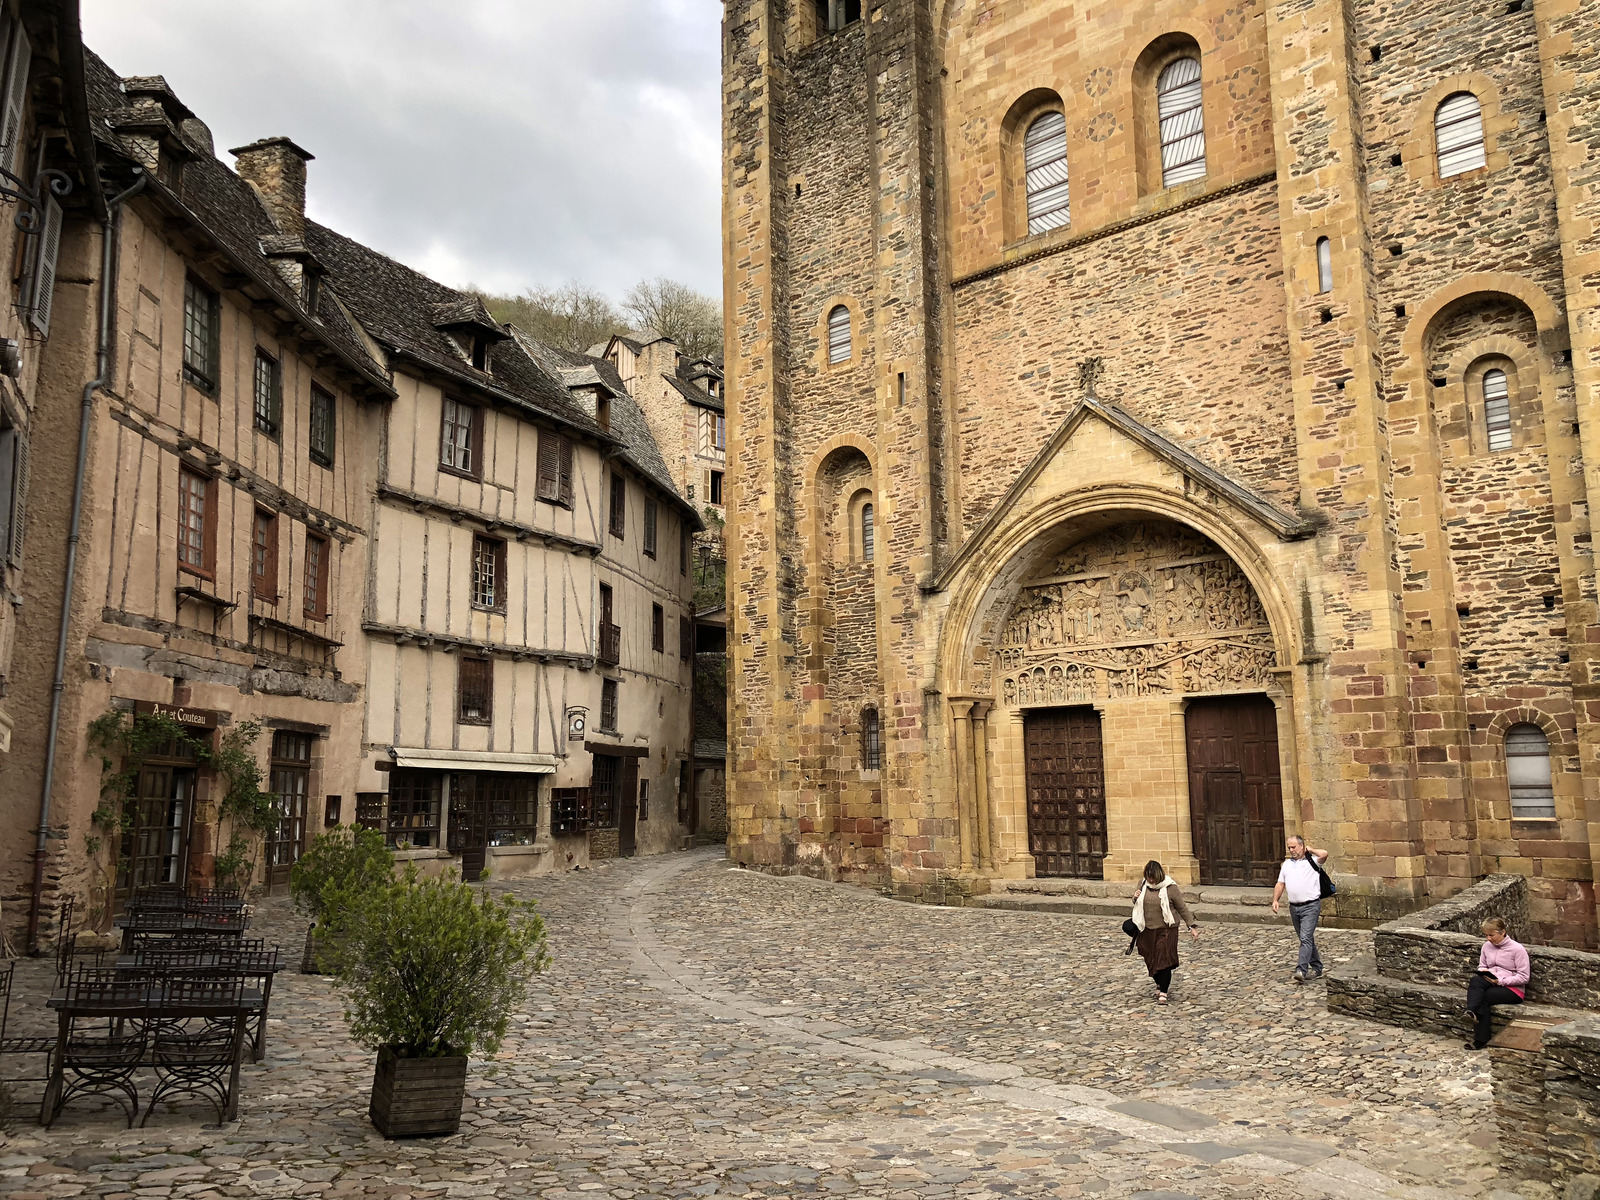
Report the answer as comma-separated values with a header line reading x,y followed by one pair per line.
x,y
711,1031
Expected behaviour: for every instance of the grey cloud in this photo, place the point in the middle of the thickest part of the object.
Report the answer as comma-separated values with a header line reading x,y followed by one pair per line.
x,y
504,143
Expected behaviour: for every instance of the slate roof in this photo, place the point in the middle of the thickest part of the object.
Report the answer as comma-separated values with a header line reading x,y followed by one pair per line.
x,y
693,394
628,423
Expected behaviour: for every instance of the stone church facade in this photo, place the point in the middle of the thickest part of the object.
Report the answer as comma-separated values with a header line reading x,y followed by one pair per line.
x,y
1158,428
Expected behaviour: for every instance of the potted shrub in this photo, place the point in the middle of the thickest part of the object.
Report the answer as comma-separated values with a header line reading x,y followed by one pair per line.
x,y
338,865
430,970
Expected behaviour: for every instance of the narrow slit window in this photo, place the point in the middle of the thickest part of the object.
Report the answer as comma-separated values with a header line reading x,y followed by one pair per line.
x,y
1324,265
866,532
1044,152
316,580
1458,134
1497,409
1528,772
839,334
871,741
1183,133
322,416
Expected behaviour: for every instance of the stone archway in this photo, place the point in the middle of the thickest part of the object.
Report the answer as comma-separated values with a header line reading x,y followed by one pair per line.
x,y
1108,640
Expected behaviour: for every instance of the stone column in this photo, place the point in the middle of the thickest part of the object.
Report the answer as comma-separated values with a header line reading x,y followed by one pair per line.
x,y
962,711
980,793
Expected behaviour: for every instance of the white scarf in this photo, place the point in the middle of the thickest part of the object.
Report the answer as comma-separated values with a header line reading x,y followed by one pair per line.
x,y
1166,905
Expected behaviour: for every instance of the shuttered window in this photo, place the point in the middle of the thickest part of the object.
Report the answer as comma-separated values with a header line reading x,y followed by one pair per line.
x,y
1458,134
194,522
13,492
474,690
322,412
1044,155
461,439
1497,409
871,741
18,62
489,573
866,533
555,468
1528,772
268,393
649,527
42,279
1324,265
619,506
839,334
1183,134
316,581
658,628
264,556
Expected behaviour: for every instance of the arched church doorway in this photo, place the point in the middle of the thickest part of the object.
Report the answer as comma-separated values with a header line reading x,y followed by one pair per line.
x,y
1135,686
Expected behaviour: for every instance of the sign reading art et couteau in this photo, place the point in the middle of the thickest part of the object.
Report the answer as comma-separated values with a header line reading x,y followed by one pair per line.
x,y
194,718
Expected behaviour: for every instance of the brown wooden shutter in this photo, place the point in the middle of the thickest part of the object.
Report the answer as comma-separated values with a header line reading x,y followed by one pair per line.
x,y
564,470
685,637
549,466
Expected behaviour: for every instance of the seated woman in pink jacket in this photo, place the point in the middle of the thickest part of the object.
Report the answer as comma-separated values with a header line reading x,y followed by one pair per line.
x,y
1501,978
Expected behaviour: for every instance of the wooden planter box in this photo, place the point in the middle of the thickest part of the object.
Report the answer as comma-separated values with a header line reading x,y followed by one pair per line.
x,y
417,1097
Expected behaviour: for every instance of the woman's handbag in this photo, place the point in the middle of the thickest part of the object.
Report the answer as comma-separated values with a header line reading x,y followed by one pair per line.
x,y
1129,928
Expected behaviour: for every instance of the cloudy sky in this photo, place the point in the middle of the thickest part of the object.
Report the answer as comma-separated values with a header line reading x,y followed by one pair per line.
x,y
507,143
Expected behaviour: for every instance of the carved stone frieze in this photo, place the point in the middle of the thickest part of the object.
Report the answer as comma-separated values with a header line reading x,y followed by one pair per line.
x,y
1141,609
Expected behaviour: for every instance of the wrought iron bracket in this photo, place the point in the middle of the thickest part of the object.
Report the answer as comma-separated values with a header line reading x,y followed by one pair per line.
x,y
48,182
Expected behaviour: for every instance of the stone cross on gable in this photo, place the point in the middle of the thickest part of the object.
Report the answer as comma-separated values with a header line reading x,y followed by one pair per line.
x,y
1089,371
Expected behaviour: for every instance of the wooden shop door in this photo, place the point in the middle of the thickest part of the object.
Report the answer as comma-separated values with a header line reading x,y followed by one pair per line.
x,y
1066,792
1235,791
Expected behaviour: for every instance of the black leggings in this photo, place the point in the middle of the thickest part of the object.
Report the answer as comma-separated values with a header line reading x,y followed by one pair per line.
x,y
1163,978
1482,996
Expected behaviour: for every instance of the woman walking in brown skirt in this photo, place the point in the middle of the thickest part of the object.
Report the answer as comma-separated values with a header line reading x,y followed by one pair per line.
x,y
1157,909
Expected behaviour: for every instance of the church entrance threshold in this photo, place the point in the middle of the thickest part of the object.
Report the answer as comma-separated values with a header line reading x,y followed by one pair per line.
x,y
1235,792
1066,792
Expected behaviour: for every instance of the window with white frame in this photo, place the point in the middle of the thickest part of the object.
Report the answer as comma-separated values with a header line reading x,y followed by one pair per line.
x,y
839,334
1044,154
1528,772
1497,408
1182,121
1458,134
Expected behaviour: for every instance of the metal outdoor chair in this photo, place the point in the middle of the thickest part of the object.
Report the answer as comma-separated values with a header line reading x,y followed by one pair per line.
x,y
67,941
102,1063
168,897
196,1040
17,1046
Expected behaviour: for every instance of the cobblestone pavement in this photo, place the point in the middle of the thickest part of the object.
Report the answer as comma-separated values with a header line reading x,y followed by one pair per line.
x,y
711,1031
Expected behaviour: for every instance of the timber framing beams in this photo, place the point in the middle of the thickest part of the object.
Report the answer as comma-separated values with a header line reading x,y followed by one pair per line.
x,y
406,635
497,526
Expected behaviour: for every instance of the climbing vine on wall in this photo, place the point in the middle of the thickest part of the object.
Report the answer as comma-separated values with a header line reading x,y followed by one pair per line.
x,y
127,741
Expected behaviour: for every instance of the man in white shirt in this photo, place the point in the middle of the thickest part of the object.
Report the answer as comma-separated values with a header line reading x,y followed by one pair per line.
x,y
1302,881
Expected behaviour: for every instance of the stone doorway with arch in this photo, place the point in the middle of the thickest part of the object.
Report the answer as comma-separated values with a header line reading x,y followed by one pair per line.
x,y
1138,710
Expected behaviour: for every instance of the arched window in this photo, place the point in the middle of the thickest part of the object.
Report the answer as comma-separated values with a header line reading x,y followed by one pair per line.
x,y
1183,131
1324,265
866,532
1497,409
1458,134
1044,153
839,334
871,741
1528,772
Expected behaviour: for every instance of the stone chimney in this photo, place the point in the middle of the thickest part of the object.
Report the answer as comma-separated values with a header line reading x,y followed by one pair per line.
x,y
277,168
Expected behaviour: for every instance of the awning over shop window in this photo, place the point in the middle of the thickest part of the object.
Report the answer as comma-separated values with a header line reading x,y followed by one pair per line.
x,y
475,760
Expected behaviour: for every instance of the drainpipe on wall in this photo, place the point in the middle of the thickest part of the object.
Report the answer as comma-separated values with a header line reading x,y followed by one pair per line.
x,y
58,686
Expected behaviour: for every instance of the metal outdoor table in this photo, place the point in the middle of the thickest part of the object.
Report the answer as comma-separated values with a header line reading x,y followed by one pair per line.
x,y
143,1004
254,966
231,922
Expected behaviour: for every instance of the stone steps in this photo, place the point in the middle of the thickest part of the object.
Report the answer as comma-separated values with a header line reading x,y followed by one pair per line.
x,y
1104,898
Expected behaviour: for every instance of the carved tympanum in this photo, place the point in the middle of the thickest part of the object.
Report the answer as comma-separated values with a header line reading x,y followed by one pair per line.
x,y
1141,609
